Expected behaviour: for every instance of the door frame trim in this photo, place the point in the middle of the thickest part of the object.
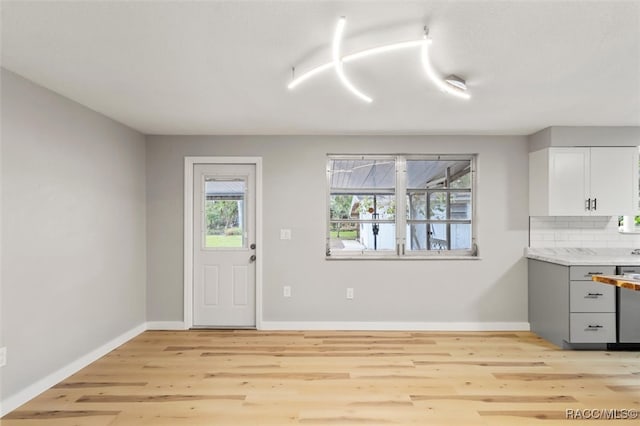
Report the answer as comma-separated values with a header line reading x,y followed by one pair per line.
x,y
189,162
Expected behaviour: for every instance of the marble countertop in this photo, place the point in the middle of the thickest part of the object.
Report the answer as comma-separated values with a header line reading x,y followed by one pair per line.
x,y
585,256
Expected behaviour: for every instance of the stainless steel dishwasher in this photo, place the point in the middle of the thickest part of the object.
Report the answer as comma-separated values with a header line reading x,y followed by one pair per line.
x,y
628,309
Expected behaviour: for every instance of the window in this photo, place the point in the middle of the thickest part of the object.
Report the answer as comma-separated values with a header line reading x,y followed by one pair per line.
x,y
362,212
631,224
438,205
400,206
224,213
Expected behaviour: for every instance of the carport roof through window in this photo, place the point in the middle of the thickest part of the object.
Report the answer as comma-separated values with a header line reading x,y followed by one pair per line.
x,y
354,174
434,173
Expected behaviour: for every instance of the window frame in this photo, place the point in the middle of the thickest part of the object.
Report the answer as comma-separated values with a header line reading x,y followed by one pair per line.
x,y
356,254
401,194
242,205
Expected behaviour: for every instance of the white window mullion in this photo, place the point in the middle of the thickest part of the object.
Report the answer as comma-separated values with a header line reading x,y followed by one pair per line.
x,y
401,203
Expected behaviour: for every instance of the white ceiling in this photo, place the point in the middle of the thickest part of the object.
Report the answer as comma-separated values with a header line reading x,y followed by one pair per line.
x,y
221,67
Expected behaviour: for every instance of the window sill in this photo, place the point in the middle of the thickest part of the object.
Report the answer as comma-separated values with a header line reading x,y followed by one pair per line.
x,y
402,258
634,230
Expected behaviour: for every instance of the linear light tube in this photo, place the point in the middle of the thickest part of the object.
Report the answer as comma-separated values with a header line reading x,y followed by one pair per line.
x,y
453,87
337,61
382,49
433,76
307,75
357,55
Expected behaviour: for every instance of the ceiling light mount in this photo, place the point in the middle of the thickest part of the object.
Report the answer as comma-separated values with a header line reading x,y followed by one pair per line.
x,y
453,84
456,82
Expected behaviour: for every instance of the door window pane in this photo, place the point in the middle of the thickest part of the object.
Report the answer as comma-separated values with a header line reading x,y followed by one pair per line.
x,y
224,213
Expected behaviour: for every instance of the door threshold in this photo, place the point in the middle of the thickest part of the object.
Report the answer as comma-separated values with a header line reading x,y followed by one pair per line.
x,y
223,327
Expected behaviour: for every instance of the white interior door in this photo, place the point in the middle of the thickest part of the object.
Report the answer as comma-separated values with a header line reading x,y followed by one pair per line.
x,y
224,272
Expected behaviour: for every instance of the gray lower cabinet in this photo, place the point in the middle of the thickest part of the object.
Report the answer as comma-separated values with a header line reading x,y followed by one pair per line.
x,y
629,306
567,308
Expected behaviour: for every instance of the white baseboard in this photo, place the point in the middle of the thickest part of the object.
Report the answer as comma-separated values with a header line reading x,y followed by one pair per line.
x,y
30,392
395,326
166,325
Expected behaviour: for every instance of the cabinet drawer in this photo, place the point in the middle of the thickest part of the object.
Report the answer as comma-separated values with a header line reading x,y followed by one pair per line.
x,y
584,273
589,296
592,328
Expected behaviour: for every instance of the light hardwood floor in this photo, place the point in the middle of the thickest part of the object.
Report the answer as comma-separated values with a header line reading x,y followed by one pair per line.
x,y
332,378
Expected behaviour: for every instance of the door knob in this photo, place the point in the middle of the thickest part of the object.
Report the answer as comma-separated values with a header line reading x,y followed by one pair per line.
x,y
252,258
252,246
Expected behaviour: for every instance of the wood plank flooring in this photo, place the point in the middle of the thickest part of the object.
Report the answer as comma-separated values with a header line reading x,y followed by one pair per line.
x,y
337,378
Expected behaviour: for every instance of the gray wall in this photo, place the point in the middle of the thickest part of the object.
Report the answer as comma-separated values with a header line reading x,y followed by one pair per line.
x,y
493,289
73,220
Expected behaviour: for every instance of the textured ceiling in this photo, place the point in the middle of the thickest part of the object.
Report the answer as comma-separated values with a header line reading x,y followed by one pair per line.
x,y
216,67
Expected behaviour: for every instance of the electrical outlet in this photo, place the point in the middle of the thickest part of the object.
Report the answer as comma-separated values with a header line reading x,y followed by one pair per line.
x,y
3,356
349,293
286,291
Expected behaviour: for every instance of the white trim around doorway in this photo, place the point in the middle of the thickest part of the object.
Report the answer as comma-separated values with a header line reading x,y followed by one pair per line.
x,y
189,162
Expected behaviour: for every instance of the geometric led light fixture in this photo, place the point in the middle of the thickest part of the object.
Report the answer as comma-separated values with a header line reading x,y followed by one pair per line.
x,y
452,85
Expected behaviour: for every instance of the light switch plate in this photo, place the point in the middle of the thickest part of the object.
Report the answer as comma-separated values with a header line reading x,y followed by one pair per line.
x,y
349,293
285,234
286,291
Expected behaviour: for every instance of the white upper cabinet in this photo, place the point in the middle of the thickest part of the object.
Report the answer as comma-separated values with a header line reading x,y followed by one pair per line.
x,y
596,181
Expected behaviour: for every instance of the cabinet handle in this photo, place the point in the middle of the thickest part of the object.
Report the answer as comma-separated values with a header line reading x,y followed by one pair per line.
x,y
588,204
593,273
594,327
595,204
594,295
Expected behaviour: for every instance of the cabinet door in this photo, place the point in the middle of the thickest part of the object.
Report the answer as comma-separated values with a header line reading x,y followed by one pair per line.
x,y
614,181
568,181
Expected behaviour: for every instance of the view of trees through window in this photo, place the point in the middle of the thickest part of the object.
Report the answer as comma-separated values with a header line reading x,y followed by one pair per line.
x,y
224,213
